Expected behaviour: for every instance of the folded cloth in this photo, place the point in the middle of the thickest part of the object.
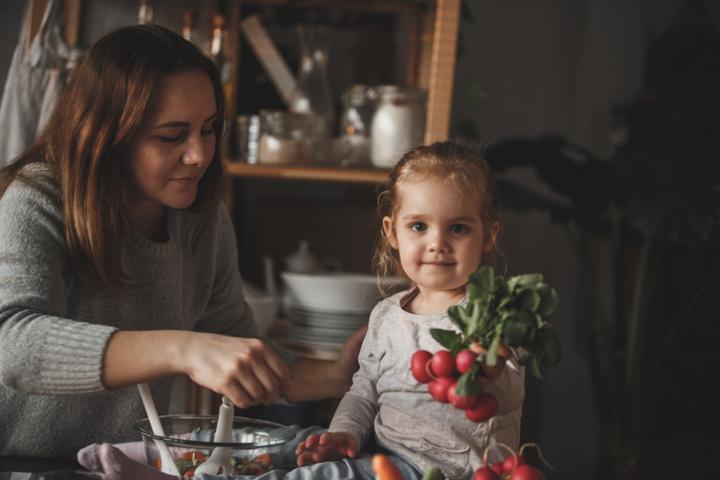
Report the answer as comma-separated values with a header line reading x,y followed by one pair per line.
x,y
119,462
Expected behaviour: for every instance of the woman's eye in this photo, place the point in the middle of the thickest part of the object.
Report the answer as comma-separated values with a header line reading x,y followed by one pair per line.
x,y
418,227
172,139
207,131
458,228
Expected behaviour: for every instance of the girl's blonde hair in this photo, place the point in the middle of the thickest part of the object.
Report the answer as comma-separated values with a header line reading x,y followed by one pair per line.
x,y
87,139
462,165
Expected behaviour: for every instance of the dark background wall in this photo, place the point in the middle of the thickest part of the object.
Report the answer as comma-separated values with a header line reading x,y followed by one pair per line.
x,y
556,66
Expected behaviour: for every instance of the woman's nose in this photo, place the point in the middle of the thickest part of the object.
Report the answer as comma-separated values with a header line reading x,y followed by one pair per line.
x,y
194,153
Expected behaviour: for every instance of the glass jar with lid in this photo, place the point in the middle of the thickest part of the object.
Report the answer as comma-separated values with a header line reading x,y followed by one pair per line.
x,y
353,145
286,137
397,125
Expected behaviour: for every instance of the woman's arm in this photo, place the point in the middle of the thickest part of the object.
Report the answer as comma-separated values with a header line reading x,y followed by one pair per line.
x,y
246,370
315,379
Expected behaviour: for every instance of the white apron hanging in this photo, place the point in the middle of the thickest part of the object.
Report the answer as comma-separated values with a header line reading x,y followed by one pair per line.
x,y
34,81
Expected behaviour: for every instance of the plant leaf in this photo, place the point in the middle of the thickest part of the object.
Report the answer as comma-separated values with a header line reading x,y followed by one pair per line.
x,y
548,346
448,339
548,300
483,279
466,384
529,299
456,315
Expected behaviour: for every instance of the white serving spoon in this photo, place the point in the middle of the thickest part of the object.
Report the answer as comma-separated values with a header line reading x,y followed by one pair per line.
x,y
220,459
167,464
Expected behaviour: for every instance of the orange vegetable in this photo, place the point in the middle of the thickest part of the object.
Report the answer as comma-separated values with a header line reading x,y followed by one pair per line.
x,y
263,459
384,469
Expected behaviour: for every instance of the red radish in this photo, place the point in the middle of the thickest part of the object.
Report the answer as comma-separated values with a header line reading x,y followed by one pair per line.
x,y
461,402
464,360
442,364
485,473
486,408
497,467
527,472
509,463
438,388
418,366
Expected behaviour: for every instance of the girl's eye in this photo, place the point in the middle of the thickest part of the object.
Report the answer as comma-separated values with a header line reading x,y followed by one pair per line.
x,y
207,131
458,228
418,227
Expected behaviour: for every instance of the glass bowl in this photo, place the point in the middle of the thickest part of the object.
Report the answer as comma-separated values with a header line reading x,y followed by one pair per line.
x,y
256,447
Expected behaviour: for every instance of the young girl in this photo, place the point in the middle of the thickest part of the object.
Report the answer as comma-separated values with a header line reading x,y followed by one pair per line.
x,y
118,263
439,217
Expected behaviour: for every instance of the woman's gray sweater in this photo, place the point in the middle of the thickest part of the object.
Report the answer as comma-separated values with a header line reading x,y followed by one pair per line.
x,y
54,330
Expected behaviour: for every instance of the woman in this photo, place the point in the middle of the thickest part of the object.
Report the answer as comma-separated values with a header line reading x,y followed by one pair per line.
x,y
118,263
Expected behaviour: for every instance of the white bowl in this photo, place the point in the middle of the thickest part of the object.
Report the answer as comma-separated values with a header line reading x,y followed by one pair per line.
x,y
338,292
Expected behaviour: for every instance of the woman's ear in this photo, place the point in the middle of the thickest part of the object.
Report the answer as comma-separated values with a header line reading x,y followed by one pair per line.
x,y
389,231
491,237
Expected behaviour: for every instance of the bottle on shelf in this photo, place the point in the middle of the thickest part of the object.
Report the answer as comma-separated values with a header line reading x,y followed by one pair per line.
x,y
312,95
192,33
146,14
219,45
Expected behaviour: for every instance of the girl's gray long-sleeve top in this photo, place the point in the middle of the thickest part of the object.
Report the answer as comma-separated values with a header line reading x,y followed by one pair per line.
x,y
387,400
54,330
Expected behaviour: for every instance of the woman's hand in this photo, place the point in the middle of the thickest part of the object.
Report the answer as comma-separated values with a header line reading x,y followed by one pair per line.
x,y
326,447
246,370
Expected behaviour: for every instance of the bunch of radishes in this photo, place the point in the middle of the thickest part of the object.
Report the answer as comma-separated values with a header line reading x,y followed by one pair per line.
x,y
500,315
442,371
514,467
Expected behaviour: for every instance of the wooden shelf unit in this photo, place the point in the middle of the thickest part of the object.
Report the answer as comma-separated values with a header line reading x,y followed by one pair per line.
x,y
310,173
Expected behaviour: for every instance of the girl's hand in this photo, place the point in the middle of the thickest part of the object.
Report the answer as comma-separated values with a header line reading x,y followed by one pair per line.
x,y
490,373
325,447
245,370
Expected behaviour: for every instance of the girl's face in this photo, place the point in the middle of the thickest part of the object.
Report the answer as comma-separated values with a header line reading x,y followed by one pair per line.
x,y
175,144
439,234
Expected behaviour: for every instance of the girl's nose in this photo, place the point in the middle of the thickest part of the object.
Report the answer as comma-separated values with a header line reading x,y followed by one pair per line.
x,y
438,242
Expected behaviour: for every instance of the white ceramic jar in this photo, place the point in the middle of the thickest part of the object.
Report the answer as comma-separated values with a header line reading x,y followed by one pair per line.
x,y
397,124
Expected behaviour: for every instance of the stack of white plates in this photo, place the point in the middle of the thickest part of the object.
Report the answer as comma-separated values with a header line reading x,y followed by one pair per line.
x,y
323,310
323,328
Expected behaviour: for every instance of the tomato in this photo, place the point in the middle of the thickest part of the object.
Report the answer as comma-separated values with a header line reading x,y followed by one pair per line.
x,y
464,360
509,463
486,408
485,473
418,366
442,364
194,455
461,402
189,473
438,388
497,467
527,472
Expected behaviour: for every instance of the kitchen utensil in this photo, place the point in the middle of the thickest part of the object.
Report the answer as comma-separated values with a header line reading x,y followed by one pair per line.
x,y
220,460
269,56
167,464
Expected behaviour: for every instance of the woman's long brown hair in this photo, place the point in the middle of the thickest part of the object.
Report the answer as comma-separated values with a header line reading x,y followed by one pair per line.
x,y
87,138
